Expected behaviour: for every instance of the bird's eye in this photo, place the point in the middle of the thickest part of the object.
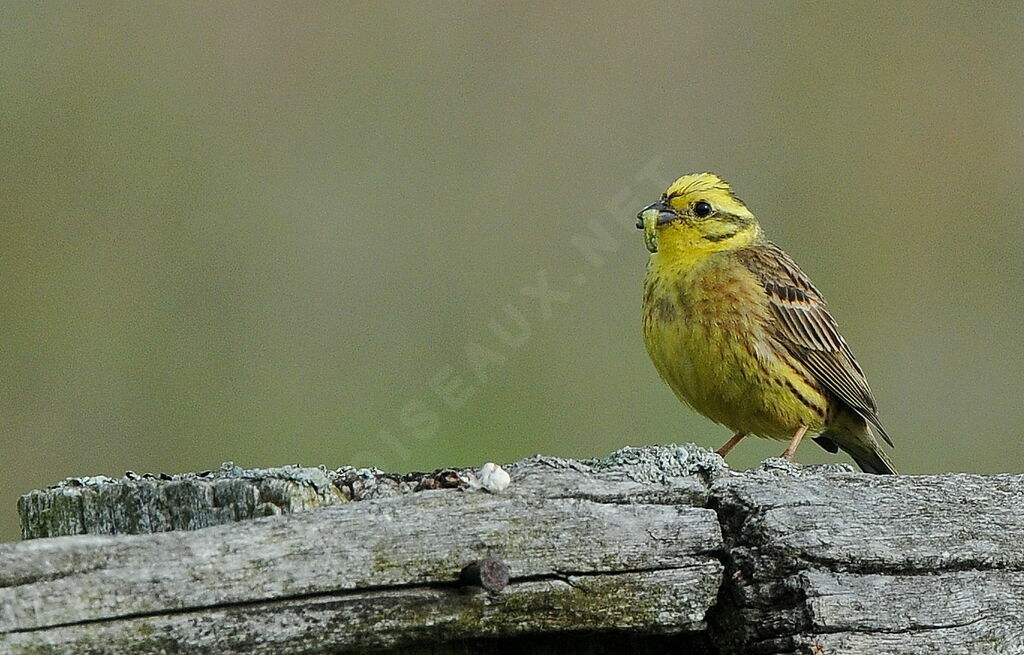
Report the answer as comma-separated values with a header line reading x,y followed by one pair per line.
x,y
702,209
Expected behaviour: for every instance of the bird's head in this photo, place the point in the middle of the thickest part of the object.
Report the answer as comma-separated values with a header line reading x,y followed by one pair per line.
x,y
698,214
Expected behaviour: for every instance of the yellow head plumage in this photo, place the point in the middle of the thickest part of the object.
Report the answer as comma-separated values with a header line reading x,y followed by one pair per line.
x,y
697,215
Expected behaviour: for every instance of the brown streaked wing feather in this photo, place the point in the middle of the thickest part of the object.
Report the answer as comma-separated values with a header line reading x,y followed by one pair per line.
x,y
808,331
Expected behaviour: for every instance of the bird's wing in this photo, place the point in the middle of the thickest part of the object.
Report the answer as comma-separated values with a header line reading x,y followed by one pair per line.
x,y
809,333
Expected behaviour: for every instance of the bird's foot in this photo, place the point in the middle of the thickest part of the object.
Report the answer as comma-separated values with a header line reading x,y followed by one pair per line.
x,y
794,443
730,444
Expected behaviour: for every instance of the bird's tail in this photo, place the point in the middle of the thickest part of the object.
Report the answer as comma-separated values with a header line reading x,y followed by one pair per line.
x,y
866,451
873,461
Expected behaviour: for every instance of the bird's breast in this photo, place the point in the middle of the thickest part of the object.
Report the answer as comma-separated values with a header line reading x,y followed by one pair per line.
x,y
705,328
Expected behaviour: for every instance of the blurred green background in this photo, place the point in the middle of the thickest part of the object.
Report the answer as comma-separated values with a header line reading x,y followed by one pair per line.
x,y
317,233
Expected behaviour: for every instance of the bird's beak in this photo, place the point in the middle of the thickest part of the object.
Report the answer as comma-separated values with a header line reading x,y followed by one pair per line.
x,y
665,214
650,218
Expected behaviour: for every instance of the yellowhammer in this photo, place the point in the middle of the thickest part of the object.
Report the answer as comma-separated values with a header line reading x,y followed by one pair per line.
x,y
740,333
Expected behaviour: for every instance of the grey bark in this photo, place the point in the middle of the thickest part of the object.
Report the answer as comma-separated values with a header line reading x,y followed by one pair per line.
x,y
850,563
142,504
657,549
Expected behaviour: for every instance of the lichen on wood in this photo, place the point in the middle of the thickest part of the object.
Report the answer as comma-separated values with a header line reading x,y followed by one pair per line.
x,y
651,550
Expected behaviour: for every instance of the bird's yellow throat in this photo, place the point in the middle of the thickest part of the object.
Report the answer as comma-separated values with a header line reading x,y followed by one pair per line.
x,y
682,245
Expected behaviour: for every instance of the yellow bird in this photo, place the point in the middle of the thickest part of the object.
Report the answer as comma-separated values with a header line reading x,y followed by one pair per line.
x,y
741,335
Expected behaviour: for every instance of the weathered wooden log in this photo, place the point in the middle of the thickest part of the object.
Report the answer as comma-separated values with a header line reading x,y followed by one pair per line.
x,y
854,563
655,549
139,504
590,548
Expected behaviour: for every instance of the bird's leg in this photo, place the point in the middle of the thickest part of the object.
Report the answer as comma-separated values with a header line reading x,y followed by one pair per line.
x,y
730,444
794,443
